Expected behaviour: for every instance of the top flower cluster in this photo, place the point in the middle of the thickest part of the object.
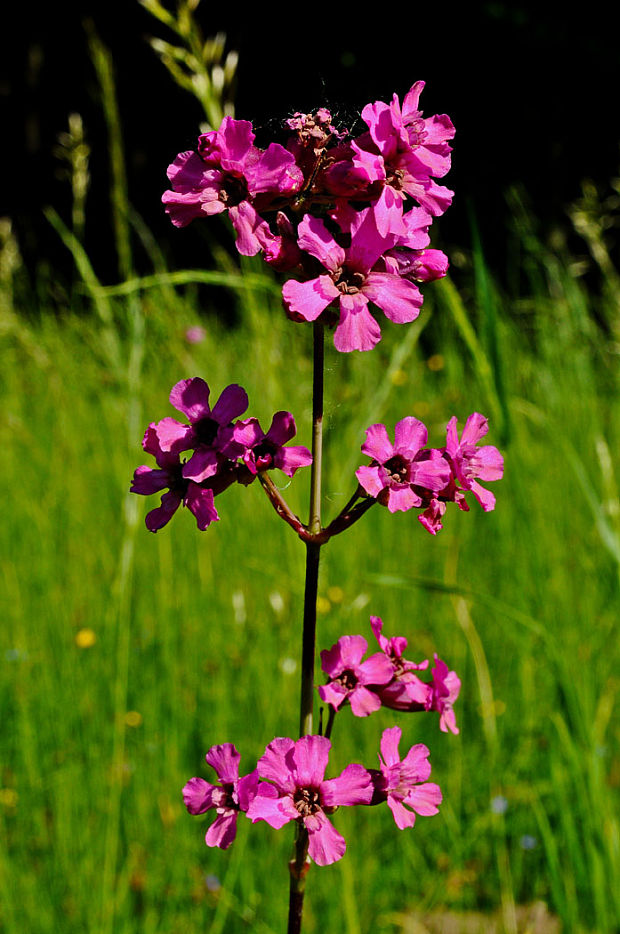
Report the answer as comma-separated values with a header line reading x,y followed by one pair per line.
x,y
329,209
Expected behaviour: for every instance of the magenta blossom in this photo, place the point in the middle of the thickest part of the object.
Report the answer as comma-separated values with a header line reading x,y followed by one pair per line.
x,y
351,282
412,150
445,690
470,462
209,430
296,771
349,675
229,173
231,795
262,451
397,468
409,693
405,689
169,475
402,783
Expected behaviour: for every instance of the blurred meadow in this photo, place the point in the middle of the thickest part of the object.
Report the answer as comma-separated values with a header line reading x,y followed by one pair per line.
x,y
126,655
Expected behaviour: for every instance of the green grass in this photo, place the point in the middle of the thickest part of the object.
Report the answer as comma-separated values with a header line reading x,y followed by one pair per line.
x,y
194,631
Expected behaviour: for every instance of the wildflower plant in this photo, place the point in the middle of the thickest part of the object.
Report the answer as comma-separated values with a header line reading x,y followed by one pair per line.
x,y
344,221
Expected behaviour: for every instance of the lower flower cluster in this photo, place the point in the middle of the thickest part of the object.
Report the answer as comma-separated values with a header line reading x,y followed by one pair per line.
x,y
289,784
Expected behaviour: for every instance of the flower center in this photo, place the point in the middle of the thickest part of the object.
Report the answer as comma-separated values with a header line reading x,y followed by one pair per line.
x,y
307,801
264,454
233,191
398,469
178,483
348,281
205,430
348,679
394,178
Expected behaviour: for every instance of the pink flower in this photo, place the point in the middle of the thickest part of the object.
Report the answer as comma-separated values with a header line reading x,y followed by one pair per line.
x,y
403,783
445,690
405,690
349,675
397,468
351,282
469,461
229,173
297,771
209,430
230,796
262,451
412,149
147,480
195,334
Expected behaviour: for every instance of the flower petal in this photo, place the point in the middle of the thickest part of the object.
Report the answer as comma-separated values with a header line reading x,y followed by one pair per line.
x,y
425,799
288,460
202,464
415,767
325,844
484,497
399,299
200,502
282,428
346,653
402,816
275,811
308,299
146,480
198,796
333,693
357,329
353,786
401,498
363,701
225,760
389,745
157,518
475,428
410,435
370,479
223,830
275,764
174,436
314,237
310,757
191,397
232,402
377,444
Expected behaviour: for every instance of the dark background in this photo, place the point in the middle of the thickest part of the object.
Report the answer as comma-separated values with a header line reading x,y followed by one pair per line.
x,y
531,89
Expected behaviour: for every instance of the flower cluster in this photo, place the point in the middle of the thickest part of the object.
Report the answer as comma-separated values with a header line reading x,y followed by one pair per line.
x,y
386,679
223,449
405,474
289,784
329,209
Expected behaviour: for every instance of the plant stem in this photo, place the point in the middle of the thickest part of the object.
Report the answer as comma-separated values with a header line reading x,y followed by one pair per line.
x,y
309,633
314,523
299,864
313,549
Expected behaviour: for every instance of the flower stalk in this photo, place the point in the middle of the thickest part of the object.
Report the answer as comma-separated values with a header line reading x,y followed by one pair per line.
x,y
299,864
